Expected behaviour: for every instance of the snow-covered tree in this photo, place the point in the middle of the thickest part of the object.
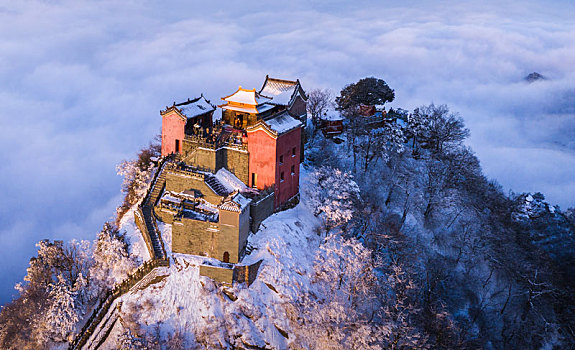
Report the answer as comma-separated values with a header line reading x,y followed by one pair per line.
x,y
136,179
336,312
55,284
128,340
400,312
381,143
417,127
332,193
137,175
59,321
112,261
435,128
344,266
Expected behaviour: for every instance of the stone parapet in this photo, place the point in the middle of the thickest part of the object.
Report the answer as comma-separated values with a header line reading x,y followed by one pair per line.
x,y
229,273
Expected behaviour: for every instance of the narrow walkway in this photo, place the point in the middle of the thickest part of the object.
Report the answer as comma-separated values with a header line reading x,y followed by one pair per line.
x,y
147,208
98,322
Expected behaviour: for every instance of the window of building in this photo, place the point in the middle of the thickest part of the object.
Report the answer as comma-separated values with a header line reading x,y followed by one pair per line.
x,y
226,257
281,159
254,180
177,146
293,152
282,176
293,169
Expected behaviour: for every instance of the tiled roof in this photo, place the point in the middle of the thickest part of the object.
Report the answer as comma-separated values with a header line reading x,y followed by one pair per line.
x,y
230,206
249,97
195,107
283,122
281,91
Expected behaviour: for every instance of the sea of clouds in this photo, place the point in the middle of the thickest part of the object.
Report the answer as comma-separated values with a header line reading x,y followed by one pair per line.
x,y
82,83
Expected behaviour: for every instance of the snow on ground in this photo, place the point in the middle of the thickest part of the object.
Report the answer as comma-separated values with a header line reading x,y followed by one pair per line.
x,y
137,245
187,302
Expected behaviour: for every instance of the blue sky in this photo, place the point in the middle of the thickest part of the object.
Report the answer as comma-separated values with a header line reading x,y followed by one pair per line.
x,y
82,83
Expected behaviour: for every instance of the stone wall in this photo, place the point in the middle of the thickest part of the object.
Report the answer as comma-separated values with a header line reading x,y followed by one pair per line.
x,y
236,161
165,216
247,273
237,273
210,239
221,274
244,229
179,182
194,237
204,157
260,209
141,224
228,241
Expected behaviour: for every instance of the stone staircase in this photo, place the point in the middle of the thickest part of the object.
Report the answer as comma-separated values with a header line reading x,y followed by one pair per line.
x,y
101,321
157,188
152,230
148,213
215,185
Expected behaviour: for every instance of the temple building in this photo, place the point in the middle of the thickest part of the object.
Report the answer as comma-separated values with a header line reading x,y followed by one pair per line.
x,y
226,177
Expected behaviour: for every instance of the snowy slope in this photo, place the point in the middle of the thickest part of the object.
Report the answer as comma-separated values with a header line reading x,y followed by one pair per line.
x,y
195,305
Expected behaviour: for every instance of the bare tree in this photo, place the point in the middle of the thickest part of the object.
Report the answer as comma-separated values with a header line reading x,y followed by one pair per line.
x,y
319,101
444,129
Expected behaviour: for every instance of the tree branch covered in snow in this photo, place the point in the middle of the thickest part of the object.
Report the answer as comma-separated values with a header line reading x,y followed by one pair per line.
x,y
331,195
137,175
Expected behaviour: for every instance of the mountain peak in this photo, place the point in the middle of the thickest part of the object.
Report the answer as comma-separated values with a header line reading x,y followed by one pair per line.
x,y
533,77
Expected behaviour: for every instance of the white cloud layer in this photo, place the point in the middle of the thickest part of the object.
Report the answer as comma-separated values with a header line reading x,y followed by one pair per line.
x,y
82,84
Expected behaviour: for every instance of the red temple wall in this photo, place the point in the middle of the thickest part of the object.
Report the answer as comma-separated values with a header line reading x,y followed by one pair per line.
x,y
262,159
172,129
288,149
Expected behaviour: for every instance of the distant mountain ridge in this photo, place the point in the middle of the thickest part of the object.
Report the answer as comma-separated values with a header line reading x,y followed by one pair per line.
x,y
533,77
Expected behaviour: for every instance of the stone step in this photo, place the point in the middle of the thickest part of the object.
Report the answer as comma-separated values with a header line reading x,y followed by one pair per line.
x,y
216,185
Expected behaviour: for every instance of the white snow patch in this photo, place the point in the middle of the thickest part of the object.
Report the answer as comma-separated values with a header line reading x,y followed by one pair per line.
x,y
137,245
166,233
283,123
331,115
242,201
194,109
230,181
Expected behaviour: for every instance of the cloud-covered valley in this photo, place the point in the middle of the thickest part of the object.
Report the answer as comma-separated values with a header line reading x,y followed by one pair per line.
x,y
82,84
